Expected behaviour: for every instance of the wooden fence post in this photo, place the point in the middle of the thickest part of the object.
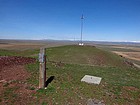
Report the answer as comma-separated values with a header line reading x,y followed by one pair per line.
x,y
42,68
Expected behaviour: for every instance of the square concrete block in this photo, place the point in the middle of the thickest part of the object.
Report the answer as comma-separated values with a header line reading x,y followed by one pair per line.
x,y
91,79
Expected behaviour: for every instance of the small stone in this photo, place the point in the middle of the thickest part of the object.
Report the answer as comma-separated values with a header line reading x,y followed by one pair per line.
x,y
95,102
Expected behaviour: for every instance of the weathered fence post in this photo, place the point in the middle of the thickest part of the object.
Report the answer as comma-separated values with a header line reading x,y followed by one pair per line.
x,y
42,68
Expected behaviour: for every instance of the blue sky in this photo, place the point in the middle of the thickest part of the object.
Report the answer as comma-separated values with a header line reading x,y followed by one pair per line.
x,y
105,20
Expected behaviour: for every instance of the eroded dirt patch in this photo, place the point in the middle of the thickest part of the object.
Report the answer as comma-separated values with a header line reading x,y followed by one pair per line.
x,y
11,73
14,88
14,60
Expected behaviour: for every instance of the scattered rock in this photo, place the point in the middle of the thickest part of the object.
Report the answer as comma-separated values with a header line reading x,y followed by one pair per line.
x,y
57,64
136,65
3,81
95,102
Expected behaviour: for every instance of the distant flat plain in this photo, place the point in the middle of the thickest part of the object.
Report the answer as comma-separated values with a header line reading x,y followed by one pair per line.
x,y
130,51
30,44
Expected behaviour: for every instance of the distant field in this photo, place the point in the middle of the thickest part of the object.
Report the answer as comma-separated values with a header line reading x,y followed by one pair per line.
x,y
31,44
128,51
20,46
130,55
129,48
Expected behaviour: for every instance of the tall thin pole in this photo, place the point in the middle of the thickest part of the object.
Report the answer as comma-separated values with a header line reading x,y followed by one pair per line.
x,y
82,18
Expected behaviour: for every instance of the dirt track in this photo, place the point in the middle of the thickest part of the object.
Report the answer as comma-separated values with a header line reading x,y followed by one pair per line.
x,y
130,55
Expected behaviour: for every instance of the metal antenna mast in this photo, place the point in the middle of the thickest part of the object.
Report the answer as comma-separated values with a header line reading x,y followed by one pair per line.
x,y
82,18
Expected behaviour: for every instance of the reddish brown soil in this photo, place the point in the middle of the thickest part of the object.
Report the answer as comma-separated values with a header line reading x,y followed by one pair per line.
x,y
14,60
13,77
15,72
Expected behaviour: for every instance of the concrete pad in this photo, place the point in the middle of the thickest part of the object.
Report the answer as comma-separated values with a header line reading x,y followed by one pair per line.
x,y
91,79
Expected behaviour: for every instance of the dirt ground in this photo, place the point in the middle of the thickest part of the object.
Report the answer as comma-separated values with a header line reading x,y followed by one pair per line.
x,y
13,87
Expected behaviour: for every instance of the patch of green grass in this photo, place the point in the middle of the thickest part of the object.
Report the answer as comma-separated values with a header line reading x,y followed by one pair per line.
x,y
34,70
26,53
48,91
67,85
44,103
7,52
29,53
83,55
5,85
9,95
30,88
